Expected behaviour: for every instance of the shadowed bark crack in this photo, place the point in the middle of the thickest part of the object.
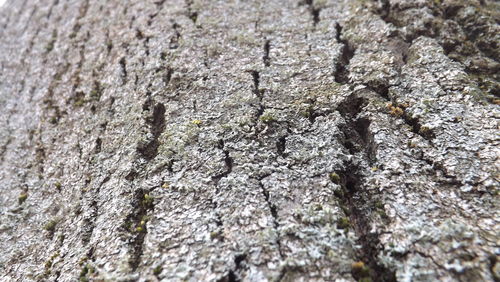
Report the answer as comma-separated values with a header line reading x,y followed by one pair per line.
x,y
156,124
341,72
232,275
258,92
355,199
265,58
89,221
451,22
228,161
136,224
313,10
191,13
124,73
274,213
174,40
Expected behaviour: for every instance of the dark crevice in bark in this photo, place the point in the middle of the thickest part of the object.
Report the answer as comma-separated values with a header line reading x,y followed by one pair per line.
x,y
341,71
448,27
191,13
40,155
381,89
313,10
265,58
417,127
140,36
233,275
89,221
124,73
443,177
167,76
355,200
281,146
152,17
217,234
3,148
256,83
274,213
258,92
98,145
228,162
159,3
354,197
136,224
311,113
52,41
174,40
131,175
493,260
357,136
397,110
156,124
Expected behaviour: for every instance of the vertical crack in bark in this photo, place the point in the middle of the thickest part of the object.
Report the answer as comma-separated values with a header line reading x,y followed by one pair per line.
x,y
124,73
258,92
156,124
3,148
167,76
341,71
358,139
191,13
136,223
274,213
174,40
313,10
266,59
228,161
281,146
354,196
233,274
217,234
140,36
89,221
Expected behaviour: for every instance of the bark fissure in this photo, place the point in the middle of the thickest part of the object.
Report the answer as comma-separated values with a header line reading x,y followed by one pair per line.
x,y
136,224
354,196
341,69
449,22
89,221
274,213
124,73
156,124
259,93
265,58
313,10
228,163
191,12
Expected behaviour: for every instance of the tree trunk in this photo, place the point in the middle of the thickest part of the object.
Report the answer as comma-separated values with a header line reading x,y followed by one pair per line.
x,y
279,140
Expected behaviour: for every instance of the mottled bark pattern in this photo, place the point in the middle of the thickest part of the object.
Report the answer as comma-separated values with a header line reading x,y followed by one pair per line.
x,y
279,140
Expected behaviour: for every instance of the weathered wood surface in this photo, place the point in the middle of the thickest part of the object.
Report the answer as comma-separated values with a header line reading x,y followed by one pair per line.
x,y
249,140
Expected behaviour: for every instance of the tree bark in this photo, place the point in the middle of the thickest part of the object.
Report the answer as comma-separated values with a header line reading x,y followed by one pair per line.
x,y
279,140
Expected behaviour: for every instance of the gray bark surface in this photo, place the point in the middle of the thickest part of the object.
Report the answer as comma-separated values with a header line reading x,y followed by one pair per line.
x,y
280,140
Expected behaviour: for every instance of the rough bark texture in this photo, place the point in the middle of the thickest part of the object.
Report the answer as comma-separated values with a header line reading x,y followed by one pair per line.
x,y
279,140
